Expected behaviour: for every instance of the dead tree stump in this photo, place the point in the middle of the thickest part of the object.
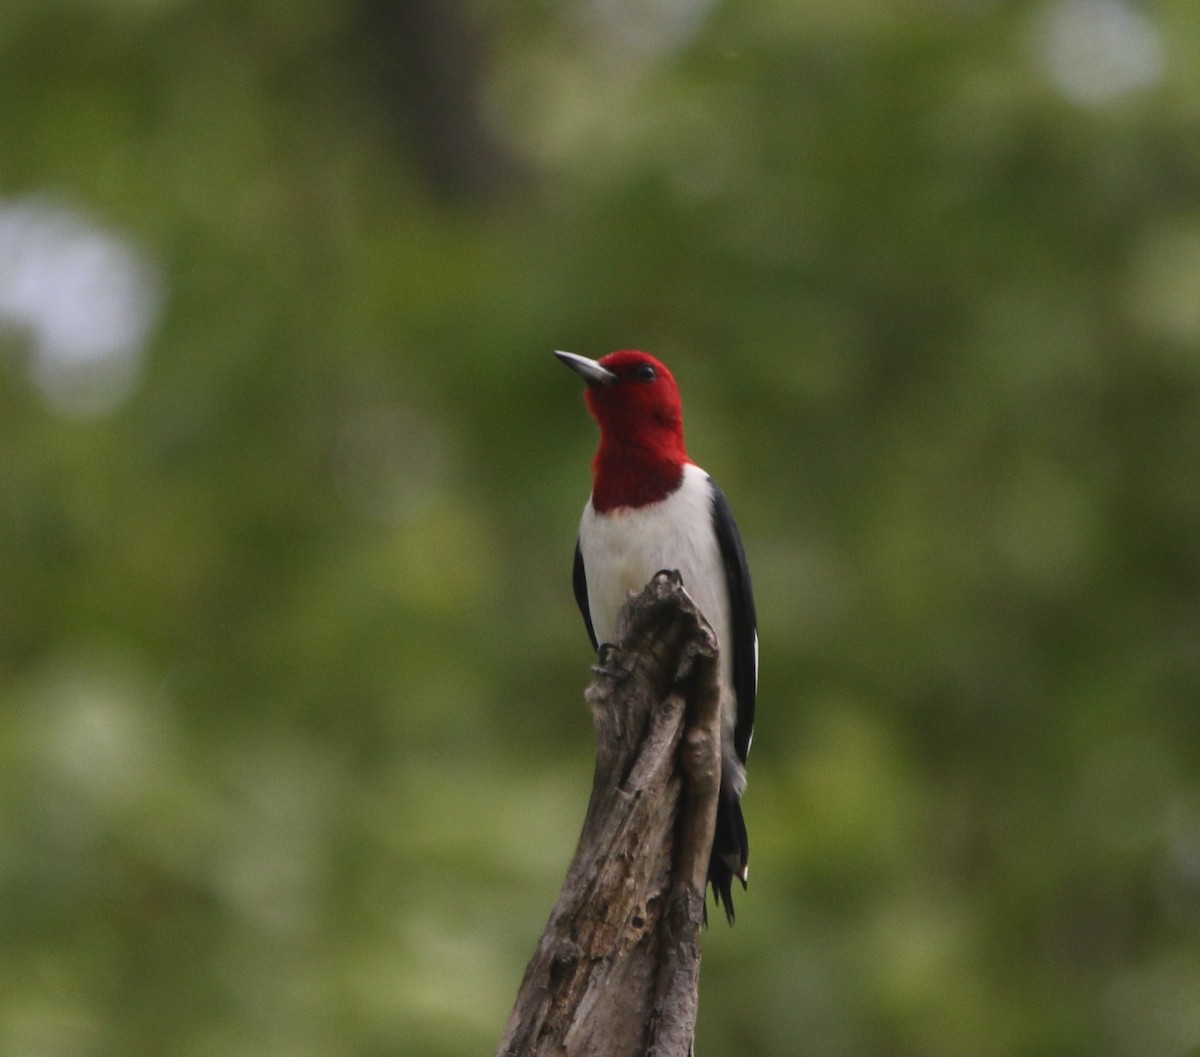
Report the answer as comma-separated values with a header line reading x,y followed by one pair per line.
x,y
616,972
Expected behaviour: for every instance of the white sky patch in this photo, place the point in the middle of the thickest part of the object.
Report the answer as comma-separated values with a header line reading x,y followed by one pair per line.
x,y
84,297
1095,51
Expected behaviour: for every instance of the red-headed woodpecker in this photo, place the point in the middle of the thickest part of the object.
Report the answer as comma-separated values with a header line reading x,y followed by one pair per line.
x,y
652,508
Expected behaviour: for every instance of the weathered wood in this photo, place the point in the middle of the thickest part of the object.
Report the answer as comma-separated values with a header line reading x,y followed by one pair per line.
x,y
616,972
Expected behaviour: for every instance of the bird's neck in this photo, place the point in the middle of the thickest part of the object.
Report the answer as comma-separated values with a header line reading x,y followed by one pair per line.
x,y
632,474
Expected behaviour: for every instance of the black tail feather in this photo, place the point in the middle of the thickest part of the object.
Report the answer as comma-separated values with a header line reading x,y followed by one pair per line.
x,y
730,851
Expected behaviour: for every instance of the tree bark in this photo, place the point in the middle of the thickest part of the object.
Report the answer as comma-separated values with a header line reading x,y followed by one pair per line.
x,y
616,972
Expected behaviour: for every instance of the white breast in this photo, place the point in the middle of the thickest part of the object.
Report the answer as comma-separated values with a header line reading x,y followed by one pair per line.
x,y
624,548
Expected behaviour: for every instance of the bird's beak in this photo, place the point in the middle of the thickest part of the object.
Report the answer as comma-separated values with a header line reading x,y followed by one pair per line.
x,y
591,371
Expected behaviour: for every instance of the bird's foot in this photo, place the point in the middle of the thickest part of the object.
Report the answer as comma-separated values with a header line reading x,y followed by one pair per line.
x,y
604,654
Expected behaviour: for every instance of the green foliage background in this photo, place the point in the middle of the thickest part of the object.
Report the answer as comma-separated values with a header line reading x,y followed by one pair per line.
x,y
293,749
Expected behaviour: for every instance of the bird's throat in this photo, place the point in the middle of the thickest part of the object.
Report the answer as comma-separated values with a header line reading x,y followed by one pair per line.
x,y
633,476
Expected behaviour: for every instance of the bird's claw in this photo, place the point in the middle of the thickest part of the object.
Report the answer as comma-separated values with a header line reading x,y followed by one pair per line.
x,y
604,655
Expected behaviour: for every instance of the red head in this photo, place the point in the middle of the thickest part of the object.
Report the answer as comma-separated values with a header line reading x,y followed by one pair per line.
x,y
635,400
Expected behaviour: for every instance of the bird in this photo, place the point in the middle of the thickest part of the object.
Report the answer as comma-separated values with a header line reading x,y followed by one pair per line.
x,y
653,509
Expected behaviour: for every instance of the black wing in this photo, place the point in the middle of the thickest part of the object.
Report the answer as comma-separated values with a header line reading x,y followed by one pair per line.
x,y
743,622
579,579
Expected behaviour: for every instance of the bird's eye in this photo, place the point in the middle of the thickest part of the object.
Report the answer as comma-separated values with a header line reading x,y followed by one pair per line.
x,y
645,372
